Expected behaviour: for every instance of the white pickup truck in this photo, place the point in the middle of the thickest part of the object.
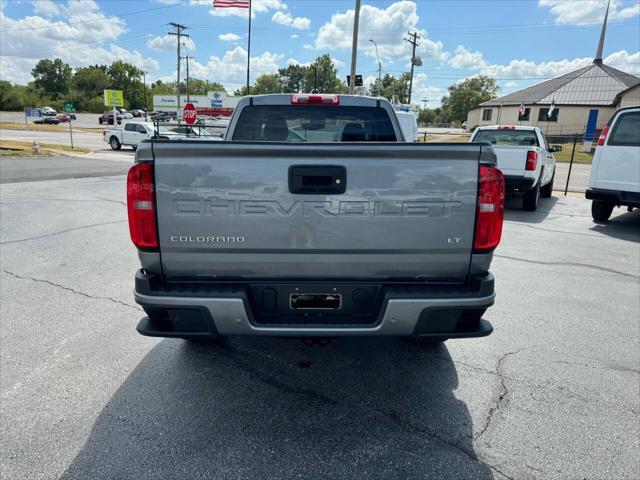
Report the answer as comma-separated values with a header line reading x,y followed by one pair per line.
x,y
525,158
133,133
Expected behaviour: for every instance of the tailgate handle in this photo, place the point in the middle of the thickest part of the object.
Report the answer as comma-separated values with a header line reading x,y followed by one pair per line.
x,y
311,179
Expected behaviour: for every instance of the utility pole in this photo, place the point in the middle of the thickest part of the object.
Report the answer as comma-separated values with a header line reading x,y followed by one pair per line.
x,y
379,68
178,33
354,48
187,57
414,41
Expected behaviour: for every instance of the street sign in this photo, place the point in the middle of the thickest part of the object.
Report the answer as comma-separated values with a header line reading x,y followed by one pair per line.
x,y
69,107
113,98
358,80
189,114
33,112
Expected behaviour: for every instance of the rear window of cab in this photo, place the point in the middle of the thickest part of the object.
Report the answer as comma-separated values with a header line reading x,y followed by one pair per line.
x,y
518,138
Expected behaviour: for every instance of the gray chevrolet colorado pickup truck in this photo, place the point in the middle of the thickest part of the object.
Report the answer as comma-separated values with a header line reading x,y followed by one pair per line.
x,y
314,218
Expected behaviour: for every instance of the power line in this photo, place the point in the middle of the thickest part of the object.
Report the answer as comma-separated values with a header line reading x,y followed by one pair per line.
x,y
95,20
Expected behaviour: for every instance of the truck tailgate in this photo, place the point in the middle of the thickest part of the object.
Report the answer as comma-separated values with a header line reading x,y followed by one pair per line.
x,y
225,210
511,159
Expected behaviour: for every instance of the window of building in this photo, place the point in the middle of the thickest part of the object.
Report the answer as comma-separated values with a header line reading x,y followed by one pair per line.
x,y
525,117
486,114
542,115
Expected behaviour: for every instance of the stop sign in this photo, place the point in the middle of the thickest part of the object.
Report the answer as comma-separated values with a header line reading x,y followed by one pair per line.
x,y
189,114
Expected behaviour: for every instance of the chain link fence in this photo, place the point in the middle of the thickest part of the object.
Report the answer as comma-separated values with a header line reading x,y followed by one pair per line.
x,y
573,163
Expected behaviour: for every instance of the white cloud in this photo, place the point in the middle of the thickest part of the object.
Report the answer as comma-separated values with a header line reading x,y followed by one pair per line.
x,y
229,37
48,8
521,68
463,58
294,36
257,6
231,68
511,84
168,42
80,34
388,27
422,90
583,12
286,19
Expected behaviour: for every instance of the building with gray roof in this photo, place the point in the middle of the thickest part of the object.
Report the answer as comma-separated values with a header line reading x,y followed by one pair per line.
x,y
582,100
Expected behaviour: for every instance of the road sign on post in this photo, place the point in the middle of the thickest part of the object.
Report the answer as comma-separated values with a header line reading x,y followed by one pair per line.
x,y
189,114
69,107
113,98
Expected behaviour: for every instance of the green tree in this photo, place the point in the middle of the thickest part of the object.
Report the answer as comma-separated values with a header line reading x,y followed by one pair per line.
x,y
323,76
292,78
394,89
86,84
128,78
427,115
52,77
265,83
9,96
467,95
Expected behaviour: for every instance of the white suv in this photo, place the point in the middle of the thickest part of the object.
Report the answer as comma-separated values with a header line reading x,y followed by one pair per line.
x,y
615,172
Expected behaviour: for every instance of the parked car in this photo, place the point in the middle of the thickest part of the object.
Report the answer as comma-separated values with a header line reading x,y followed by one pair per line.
x,y
125,114
137,113
63,117
615,170
161,116
259,235
48,112
525,158
47,121
107,118
133,133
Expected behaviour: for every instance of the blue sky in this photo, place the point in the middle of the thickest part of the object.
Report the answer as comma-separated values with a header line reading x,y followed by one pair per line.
x,y
518,42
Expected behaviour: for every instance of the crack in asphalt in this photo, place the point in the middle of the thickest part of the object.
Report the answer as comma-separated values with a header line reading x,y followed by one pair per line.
x,y
69,289
390,414
503,391
83,227
570,264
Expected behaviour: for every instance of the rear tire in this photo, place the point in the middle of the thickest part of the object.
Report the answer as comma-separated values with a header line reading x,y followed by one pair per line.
x,y
115,143
601,210
545,192
530,199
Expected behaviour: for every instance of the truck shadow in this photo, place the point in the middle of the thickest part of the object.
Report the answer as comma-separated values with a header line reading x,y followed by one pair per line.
x,y
623,226
513,210
275,408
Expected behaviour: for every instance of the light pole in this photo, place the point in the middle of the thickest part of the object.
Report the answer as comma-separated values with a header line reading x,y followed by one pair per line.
x,y
354,48
379,68
144,86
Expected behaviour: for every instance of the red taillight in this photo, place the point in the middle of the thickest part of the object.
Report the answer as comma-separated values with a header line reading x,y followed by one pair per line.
x,y
532,160
490,213
141,206
315,100
603,136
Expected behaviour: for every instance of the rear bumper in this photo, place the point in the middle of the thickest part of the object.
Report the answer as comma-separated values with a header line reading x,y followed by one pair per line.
x,y
628,199
208,309
514,183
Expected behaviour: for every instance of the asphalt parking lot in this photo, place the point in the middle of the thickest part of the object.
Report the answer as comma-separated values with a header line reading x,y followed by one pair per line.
x,y
552,393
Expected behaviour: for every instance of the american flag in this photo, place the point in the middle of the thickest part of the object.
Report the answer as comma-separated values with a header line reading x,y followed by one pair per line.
x,y
522,110
231,3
